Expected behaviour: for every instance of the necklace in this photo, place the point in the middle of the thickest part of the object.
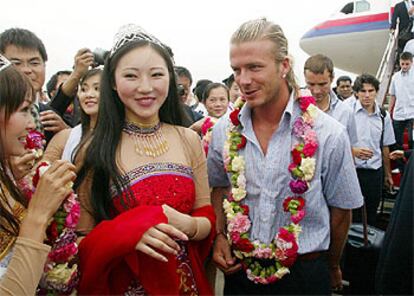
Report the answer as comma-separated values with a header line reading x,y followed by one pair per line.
x,y
148,140
267,263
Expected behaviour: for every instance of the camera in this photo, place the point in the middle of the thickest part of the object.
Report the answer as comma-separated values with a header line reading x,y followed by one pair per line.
x,y
180,90
100,56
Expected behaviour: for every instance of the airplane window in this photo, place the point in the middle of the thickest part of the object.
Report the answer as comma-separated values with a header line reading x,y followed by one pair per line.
x,y
348,8
361,6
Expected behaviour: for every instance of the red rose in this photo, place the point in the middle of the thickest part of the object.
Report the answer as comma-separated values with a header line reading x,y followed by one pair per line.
x,y
242,143
244,245
296,157
52,232
304,102
286,203
36,176
234,117
34,140
309,149
301,201
245,209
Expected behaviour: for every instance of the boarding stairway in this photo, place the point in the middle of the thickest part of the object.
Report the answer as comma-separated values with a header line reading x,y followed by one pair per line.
x,y
386,68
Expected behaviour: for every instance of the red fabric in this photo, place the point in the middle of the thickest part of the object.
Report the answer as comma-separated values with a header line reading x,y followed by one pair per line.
x,y
109,261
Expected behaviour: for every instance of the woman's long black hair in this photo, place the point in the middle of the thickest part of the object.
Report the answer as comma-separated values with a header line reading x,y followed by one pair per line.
x,y
14,88
100,158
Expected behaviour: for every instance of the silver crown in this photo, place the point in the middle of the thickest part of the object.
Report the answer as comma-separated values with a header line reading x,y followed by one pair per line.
x,y
4,63
129,33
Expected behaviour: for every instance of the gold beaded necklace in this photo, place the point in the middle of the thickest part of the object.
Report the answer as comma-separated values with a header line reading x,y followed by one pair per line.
x,y
148,138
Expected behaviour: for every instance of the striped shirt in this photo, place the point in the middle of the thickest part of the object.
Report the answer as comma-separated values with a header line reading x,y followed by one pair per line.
x,y
335,182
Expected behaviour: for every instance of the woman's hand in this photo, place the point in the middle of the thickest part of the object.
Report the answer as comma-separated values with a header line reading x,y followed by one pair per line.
x,y
23,164
53,187
160,238
183,222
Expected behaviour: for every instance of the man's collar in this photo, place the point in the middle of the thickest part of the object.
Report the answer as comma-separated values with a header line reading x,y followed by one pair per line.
x,y
246,112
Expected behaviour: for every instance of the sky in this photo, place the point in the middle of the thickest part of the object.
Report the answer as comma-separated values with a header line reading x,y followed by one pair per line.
x,y
197,31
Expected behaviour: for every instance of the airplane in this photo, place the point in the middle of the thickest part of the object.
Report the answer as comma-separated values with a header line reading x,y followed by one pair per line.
x,y
355,37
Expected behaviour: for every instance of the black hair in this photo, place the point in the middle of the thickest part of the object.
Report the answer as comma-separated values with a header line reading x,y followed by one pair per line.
x,y
200,87
24,39
51,84
368,79
229,81
182,71
343,78
212,86
100,159
14,89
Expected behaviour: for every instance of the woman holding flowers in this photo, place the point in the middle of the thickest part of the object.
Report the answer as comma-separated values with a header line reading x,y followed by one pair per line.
x,y
23,223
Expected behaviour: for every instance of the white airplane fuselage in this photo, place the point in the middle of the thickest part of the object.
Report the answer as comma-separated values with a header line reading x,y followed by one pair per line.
x,y
354,41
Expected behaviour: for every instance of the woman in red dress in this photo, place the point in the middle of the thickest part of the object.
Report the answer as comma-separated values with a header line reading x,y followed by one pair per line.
x,y
143,183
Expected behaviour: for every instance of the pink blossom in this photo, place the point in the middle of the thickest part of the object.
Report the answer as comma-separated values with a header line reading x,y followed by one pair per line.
x,y
300,127
73,216
239,223
235,236
264,253
296,218
62,255
310,136
208,123
310,148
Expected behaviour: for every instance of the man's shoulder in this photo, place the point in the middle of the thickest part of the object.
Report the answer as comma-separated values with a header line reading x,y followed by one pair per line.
x,y
327,126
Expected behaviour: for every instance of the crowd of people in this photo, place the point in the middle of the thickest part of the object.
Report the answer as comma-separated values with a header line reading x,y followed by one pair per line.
x,y
255,174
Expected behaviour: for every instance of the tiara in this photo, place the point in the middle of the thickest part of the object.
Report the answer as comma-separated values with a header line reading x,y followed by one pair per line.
x,y
4,63
129,33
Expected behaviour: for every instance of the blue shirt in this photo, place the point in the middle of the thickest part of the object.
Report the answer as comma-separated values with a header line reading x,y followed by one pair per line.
x,y
335,182
369,134
341,112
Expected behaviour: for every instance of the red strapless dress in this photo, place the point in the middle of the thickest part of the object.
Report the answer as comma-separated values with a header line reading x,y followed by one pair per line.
x,y
108,259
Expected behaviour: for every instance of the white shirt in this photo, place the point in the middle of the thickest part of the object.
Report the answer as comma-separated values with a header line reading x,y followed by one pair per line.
x,y
402,87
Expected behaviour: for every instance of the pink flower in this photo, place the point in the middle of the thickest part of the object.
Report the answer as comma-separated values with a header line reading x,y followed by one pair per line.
x,y
304,102
63,254
310,136
310,148
235,236
298,186
300,127
292,166
240,223
208,123
73,216
263,253
296,218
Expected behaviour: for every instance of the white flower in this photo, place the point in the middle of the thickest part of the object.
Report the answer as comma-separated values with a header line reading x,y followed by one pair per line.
x,y
282,271
307,166
241,181
312,111
237,164
238,193
228,209
296,229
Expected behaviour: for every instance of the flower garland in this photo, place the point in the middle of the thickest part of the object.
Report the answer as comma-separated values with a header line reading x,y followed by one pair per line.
x,y
61,273
267,263
206,131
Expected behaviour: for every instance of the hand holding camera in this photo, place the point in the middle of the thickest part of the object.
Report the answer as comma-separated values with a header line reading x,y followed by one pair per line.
x,y
84,59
